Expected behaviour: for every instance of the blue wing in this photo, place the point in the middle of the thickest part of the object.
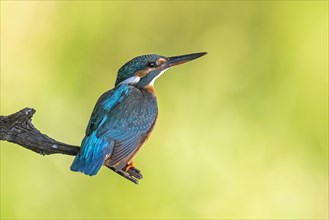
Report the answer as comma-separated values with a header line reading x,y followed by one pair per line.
x,y
95,149
129,124
119,124
104,104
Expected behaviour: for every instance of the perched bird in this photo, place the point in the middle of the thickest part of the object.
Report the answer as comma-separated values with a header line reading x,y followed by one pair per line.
x,y
124,116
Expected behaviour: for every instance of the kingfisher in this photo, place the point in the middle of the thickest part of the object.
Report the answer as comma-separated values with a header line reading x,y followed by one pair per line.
x,y
123,117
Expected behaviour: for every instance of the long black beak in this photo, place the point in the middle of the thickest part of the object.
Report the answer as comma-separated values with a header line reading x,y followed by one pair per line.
x,y
172,61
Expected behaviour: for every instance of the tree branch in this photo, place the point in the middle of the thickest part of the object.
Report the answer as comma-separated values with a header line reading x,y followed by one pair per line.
x,y
18,128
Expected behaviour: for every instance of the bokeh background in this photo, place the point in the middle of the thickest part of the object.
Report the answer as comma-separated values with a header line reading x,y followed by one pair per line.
x,y
242,132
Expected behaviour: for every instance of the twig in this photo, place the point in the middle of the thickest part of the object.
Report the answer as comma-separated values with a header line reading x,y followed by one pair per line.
x,y
18,128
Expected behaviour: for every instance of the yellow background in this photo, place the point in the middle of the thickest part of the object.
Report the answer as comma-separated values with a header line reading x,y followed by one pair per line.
x,y
242,131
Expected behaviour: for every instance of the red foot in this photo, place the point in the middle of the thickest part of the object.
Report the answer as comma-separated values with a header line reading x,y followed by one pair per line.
x,y
130,165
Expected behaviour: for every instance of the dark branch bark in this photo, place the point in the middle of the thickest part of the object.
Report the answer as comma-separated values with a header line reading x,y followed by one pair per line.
x,y
18,128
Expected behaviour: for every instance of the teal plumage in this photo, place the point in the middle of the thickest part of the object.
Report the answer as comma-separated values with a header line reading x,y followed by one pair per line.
x,y
115,132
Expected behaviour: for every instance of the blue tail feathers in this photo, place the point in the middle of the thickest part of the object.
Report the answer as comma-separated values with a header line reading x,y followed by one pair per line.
x,y
92,154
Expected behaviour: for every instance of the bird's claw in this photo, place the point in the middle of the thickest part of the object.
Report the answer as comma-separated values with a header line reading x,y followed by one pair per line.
x,y
133,174
133,171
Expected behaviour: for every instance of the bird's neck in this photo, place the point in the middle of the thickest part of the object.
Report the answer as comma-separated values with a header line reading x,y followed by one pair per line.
x,y
150,89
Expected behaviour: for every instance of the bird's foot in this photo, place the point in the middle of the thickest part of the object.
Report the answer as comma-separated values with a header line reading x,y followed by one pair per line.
x,y
132,170
131,173
129,165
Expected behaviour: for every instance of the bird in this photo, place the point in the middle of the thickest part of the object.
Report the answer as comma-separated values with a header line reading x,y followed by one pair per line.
x,y
124,117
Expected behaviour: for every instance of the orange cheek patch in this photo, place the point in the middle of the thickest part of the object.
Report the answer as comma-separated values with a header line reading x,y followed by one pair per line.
x,y
161,61
142,73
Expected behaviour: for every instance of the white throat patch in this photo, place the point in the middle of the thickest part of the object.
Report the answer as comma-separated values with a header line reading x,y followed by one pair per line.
x,y
131,80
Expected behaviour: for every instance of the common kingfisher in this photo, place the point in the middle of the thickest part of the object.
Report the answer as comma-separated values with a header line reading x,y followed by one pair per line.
x,y
123,117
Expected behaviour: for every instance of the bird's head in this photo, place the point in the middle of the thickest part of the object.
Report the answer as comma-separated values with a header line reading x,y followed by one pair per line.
x,y
142,71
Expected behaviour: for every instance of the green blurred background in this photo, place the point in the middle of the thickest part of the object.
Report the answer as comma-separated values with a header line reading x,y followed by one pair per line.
x,y
242,132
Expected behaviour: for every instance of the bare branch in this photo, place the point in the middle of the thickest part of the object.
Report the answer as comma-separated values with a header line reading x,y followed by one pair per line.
x,y
18,128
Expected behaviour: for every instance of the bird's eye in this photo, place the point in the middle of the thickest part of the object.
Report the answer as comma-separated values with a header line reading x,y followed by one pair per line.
x,y
151,64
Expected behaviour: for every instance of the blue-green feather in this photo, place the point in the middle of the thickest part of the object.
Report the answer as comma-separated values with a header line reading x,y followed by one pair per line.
x,y
94,149
119,124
